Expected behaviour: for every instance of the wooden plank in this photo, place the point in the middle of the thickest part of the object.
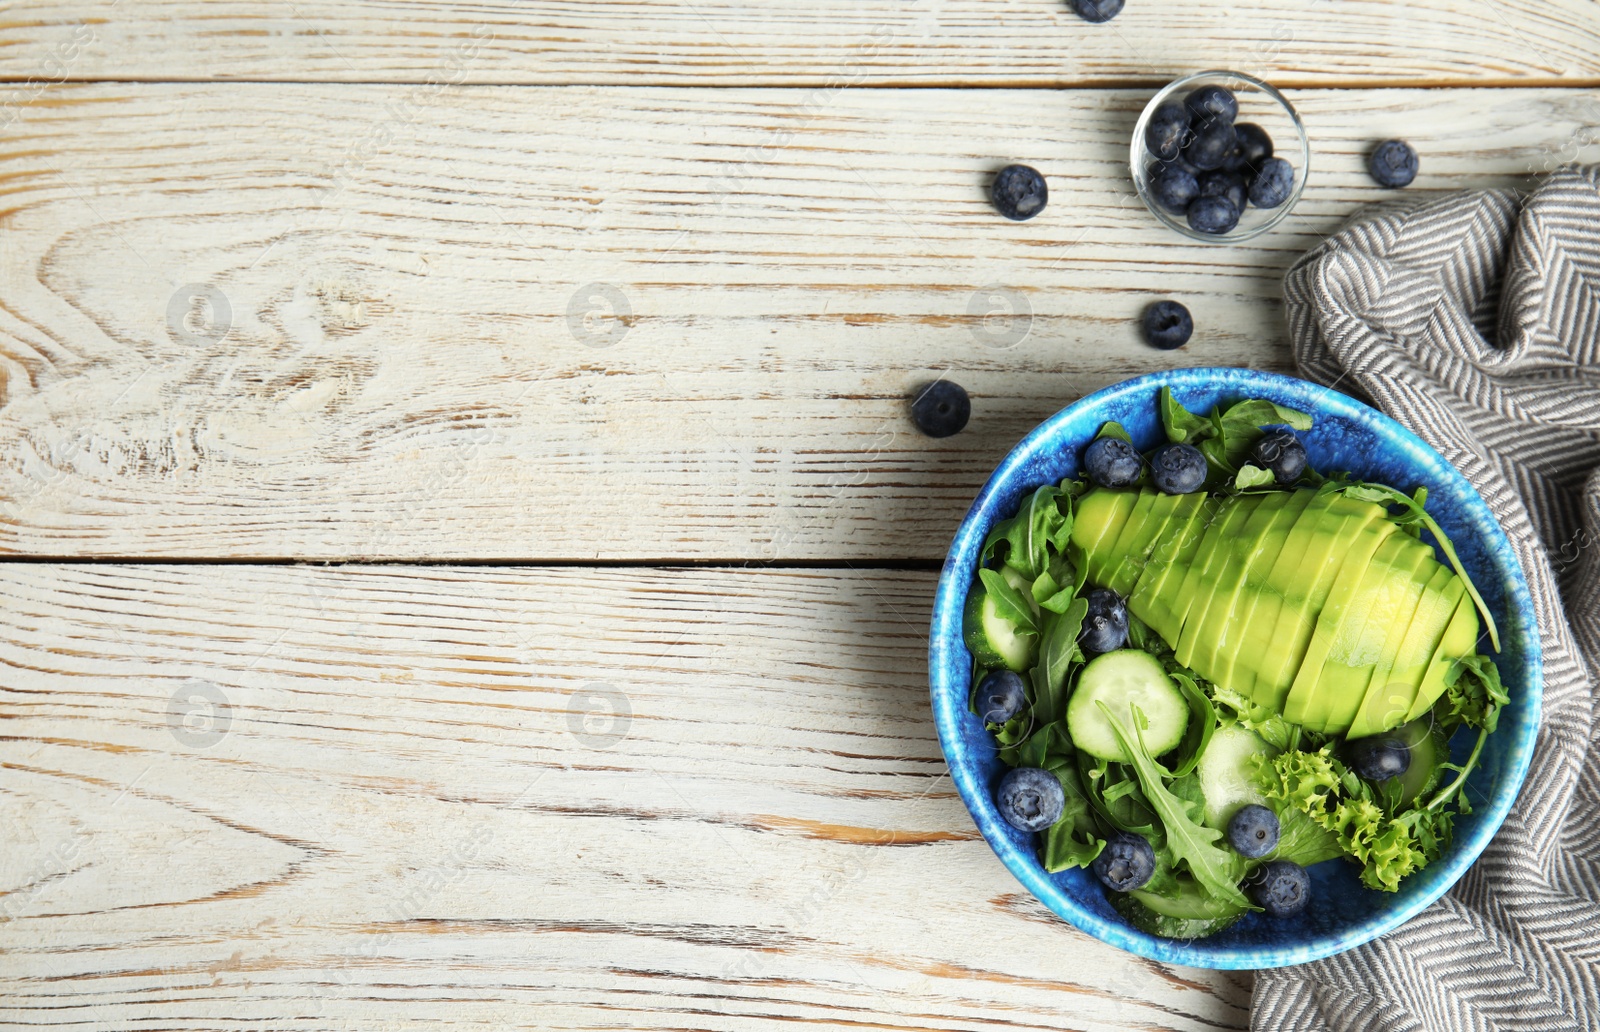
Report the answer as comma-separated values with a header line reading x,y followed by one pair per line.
x,y
449,797
821,42
605,323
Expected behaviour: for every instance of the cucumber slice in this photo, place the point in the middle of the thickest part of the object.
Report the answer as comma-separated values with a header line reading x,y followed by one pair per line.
x,y
1227,773
1188,914
1430,746
994,640
1122,679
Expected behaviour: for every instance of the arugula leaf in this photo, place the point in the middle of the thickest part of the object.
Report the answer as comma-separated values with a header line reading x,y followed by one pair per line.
x,y
1008,601
1040,522
1073,840
1116,796
1144,638
1190,841
1114,429
1181,425
1473,693
1253,476
1202,722
1058,654
1044,586
1258,412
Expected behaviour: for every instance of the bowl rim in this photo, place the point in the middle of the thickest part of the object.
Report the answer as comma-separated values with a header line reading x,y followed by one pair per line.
x,y
945,637
1139,157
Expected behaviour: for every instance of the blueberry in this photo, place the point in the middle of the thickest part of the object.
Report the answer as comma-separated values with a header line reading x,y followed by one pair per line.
x,y
941,408
1253,147
1167,325
1281,453
1210,145
1219,182
1280,887
1273,184
1105,627
1019,192
1112,462
1177,468
1392,163
1378,759
1167,127
1097,10
1211,103
1001,696
1253,831
1173,188
1030,798
1213,215
1126,862
1178,162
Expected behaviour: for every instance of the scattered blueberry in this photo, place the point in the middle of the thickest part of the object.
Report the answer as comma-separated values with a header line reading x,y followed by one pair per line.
x,y
1378,759
1393,163
1126,862
1253,831
1213,215
1253,147
1097,10
1001,696
1030,798
1209,103
1280,887
1219,182
1112,462
1164,134
1210,145
941,409
1177,468
1167,325
1173,188
1281,453
1105,627
1273,184
1019,192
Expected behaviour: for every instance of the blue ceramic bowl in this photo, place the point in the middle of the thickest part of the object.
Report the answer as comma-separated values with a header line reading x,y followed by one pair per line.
x,y
1347,435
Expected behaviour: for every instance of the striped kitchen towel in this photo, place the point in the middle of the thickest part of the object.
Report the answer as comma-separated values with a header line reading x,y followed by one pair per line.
x,y
1474,320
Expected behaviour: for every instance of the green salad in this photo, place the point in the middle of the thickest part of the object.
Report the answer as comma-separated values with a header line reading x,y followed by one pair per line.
x,y
1209,666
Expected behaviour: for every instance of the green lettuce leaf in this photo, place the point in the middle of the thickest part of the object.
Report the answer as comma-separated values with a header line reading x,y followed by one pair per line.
x,y
1059,653
1114,429
1473,693
1008,601
1181,425
1253,476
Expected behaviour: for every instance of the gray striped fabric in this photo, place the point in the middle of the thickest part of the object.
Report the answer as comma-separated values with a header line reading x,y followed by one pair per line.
x,y
1474,320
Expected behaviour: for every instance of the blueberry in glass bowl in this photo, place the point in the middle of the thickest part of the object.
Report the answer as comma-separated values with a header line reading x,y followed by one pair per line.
x,y
1219,156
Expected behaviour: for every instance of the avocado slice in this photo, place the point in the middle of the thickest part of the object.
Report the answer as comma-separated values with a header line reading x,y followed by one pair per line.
x,y
1150,598
1388,595
1217,645
1312,557
1135,548
1308,702
1393,688
1098,519
1110,552
1193,593
1460,640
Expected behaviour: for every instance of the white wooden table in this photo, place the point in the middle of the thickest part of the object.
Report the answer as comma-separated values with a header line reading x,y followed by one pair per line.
x,y
469,558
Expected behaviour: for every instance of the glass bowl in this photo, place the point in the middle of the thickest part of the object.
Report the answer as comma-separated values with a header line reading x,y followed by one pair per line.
x,y
1258,103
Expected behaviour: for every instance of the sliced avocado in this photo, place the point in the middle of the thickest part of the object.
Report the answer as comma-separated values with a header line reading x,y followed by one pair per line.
x,y
1312,557
1098,518
1242,653
1388,595
1136,555
1150,600
1216,646
1219,588
1393,687
1460,640
1110,552
1193,594
1309,702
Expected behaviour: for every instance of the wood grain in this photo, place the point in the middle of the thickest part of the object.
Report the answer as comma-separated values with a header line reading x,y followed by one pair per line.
x,y
1036,43
452,797
423,361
